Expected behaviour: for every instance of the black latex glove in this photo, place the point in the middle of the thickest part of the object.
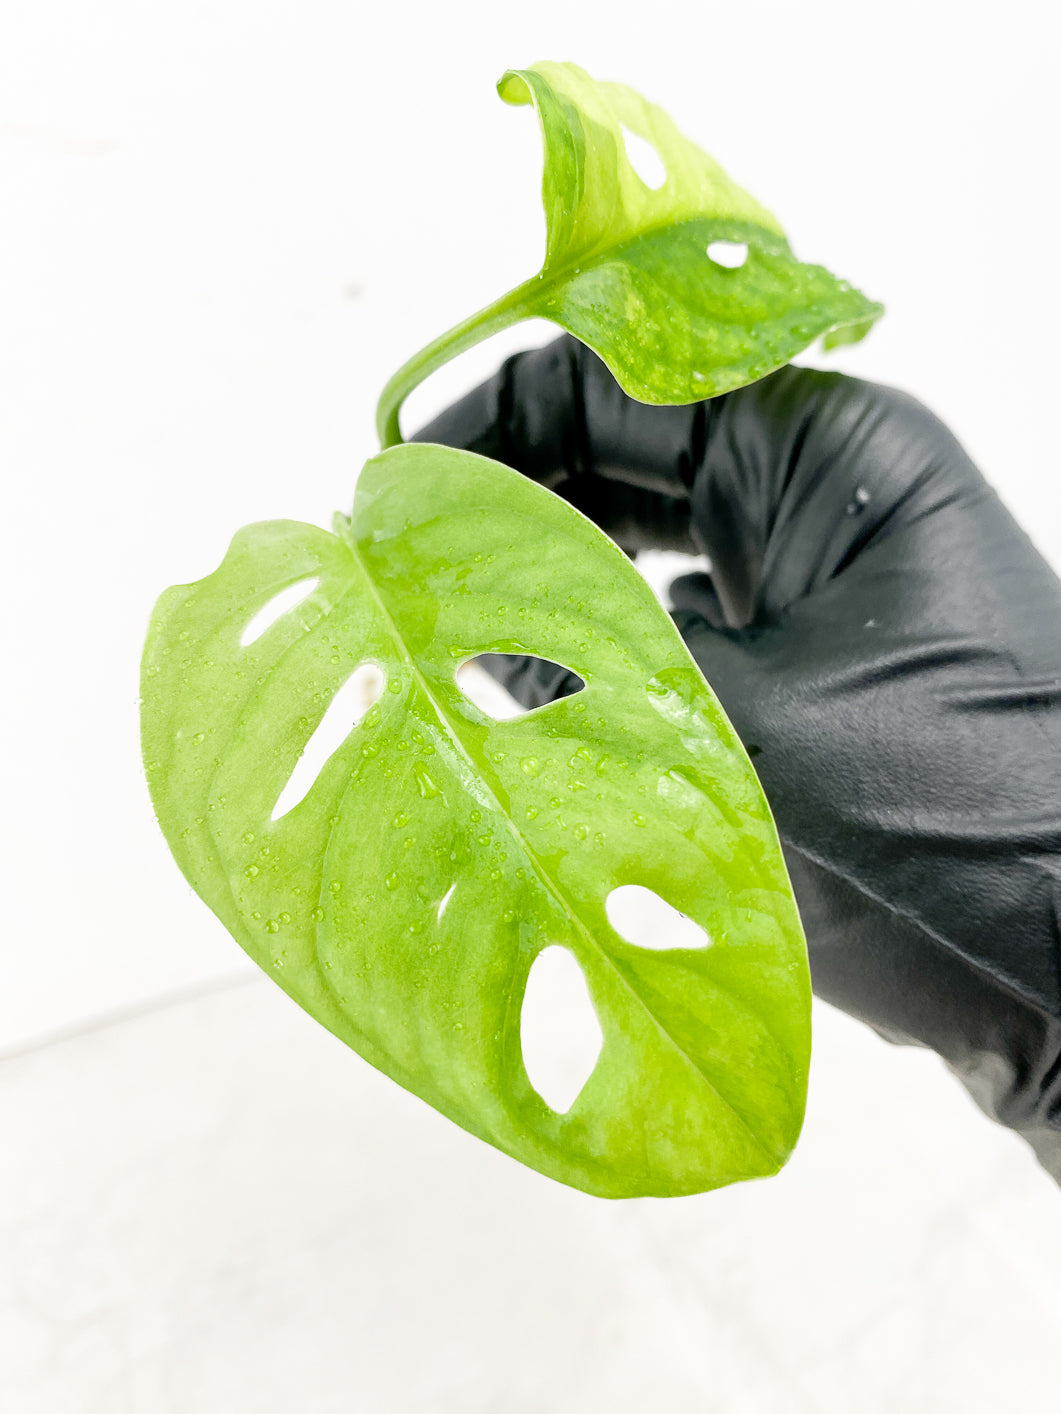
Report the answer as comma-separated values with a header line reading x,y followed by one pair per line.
x,y
887,643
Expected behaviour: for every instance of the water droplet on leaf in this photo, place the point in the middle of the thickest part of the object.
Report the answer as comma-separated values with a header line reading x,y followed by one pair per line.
x,y
428,789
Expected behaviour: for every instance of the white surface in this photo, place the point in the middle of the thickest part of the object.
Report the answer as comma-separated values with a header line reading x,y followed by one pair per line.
x,y
224,225
216,1209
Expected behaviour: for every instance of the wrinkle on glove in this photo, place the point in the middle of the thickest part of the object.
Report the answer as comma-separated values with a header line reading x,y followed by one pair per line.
x,y
887,643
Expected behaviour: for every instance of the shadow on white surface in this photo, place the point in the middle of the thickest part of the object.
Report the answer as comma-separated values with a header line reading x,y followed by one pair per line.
x,y
216,252
217,1208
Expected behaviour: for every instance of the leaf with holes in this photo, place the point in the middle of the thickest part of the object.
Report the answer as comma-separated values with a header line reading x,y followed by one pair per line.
x,y
405,896
679,280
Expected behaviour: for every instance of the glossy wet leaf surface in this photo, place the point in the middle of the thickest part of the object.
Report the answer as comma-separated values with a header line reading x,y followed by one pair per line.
x,y
628,268
683,284
404,899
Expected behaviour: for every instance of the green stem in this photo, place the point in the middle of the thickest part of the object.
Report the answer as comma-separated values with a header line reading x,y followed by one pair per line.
x,y
503,313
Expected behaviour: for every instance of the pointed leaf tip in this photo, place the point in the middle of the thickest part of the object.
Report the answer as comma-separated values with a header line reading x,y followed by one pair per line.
x,y
627,267
437,852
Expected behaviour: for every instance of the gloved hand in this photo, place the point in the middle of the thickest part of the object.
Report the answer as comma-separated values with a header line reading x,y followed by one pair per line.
x,y
887,643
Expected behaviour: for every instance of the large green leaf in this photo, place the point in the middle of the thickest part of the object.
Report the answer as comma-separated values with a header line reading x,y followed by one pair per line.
x,y
523,826
627,267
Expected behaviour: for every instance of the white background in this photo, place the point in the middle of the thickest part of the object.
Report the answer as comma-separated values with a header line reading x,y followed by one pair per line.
x,y
223,225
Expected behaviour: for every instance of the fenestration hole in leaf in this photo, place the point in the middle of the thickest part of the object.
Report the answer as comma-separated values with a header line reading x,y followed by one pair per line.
x,y
560,1034
644,159
279,605
361,690
731,254
507,685
643,918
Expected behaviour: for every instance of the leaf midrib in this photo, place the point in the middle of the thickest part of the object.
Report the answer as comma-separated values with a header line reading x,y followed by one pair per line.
x,y
552,275
549,884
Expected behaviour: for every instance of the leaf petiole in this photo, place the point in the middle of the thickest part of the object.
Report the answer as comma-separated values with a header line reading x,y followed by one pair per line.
x,y
510,309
